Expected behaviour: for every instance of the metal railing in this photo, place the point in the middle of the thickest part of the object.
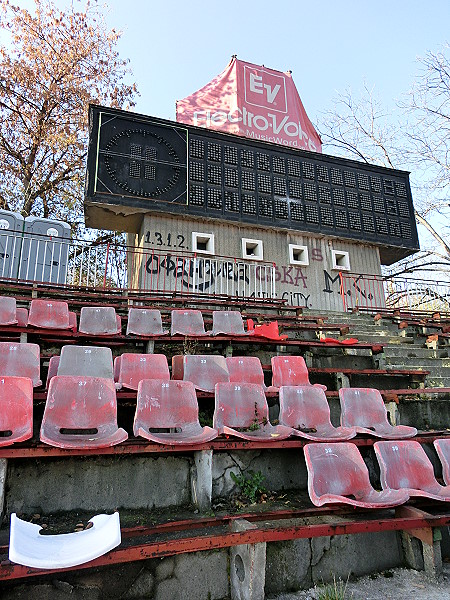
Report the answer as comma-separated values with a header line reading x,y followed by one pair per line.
x,y
375,292
112,266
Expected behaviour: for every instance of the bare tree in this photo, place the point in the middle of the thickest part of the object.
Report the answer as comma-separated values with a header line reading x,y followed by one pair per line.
x,y
55,63
415,137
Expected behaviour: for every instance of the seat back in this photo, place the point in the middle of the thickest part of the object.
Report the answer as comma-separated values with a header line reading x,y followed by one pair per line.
x,y
8,311
303,407
246,369
187,322
53,365
289,370
20,360
337,469
79,403
177,366
404,464
99,320
86,361
144,321
16,409
50,314
241,405
228,322
205,371
135,367
22,317
362,407
165,405
443,451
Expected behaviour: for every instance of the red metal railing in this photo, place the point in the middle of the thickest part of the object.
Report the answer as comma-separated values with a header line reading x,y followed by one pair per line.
x,y
375,292
118,267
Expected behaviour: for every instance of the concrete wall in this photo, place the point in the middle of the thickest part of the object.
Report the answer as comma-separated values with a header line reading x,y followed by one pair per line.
x,y
290,566
97,484
315,285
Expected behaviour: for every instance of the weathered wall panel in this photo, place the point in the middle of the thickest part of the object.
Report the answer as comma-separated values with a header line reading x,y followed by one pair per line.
x,y
315,285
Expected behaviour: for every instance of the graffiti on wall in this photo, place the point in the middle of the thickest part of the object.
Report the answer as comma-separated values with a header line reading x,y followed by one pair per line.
x,y
172,271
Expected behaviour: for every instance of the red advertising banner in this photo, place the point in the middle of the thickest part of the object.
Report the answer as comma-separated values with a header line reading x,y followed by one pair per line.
x,y
254,102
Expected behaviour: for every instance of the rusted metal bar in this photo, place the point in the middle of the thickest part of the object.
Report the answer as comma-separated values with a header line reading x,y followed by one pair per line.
x,y
224,539
143,447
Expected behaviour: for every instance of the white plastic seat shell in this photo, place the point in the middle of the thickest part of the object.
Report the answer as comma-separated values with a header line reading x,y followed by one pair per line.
x,y
228,323
99,320
145,322
29,548
20,360
8,314
188,322
205,370
245,369
86,361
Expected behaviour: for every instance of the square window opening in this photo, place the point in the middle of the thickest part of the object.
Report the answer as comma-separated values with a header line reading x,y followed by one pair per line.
x,y
252,249
340,260
298,255
203,242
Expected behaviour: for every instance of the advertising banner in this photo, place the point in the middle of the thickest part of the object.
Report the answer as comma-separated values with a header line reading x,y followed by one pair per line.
x,y
252,101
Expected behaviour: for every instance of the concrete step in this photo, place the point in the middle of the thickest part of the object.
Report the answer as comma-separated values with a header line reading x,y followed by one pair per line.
x,y
418,352
380,339
415,363
436,381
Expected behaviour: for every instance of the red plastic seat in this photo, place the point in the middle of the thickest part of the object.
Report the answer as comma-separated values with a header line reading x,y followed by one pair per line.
x,y
53,365
133,368
205,371
49,314
116,368
8,311
16,410
99,320
86,361
228,323
81,412
269,331
245,369
163,406
178,366
337,474
405,466
20,360
72,321
22,317
443,451
291,370
187,322
364,409
146,322
241,410
306,410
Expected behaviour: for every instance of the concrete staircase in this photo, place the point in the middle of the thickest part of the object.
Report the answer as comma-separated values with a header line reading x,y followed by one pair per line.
x,y
403,348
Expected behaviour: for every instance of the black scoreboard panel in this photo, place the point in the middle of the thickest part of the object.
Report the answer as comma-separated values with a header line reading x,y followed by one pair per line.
x,y
148,163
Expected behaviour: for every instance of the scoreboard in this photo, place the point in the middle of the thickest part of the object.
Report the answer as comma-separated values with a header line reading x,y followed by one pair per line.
x,y
152,165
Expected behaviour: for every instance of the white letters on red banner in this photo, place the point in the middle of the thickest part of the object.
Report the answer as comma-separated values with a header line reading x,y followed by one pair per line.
x,y
252,101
